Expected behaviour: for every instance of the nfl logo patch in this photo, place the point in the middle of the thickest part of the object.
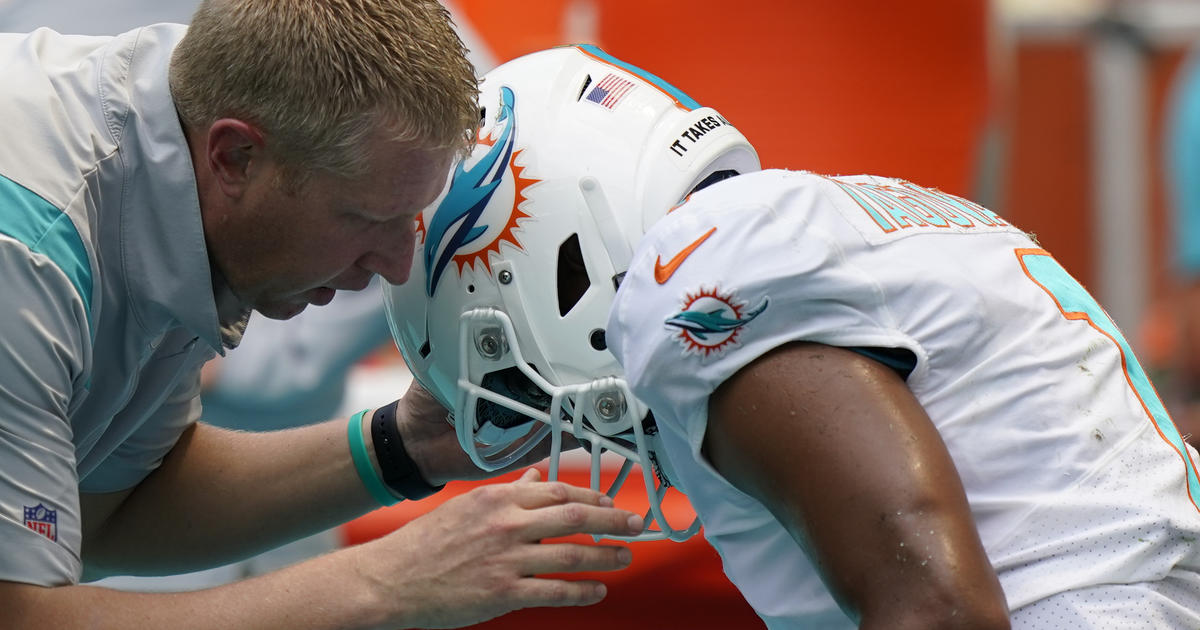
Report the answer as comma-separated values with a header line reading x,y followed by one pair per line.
x,y
42,520
609,91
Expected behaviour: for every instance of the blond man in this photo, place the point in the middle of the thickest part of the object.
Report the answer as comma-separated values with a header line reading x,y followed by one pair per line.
x,y
154,188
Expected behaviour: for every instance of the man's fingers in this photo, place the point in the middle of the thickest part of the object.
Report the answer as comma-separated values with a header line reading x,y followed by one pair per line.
x,y
572,558
540,592
559,509
541,494
579,518
530,475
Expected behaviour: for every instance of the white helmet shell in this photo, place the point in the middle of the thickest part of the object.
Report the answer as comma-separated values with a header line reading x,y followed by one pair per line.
x,y
520,257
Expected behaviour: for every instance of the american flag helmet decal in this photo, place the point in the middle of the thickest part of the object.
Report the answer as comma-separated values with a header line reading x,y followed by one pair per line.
x,y
609,91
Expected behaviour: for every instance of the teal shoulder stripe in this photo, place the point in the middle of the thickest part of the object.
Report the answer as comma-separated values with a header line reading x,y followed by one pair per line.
x,y
671,90
47,230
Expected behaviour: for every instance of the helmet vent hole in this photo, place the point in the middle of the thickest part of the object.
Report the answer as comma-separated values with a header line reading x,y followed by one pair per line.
x,y
583,88
573,279
598,339
424,351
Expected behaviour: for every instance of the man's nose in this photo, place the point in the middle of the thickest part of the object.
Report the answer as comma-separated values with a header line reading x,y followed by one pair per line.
x,y
392,259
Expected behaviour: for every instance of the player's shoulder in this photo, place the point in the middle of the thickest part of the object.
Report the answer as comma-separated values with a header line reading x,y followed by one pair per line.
x,y
753,210
777,189
734,195
762,187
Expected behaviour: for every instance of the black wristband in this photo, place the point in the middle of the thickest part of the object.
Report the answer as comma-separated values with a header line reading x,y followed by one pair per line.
x,y
400,472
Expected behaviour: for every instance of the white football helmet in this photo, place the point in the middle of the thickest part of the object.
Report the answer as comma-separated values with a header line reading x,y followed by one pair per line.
x,y
520,258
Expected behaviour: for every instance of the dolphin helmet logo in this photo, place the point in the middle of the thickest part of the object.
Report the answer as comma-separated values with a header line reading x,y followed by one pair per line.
x,y
710,321
460,226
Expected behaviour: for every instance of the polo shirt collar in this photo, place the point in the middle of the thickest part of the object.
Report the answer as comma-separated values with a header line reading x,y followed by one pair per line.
x,y
165,256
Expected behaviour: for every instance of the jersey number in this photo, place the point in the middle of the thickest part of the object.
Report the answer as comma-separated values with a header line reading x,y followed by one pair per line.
x,y
1076,303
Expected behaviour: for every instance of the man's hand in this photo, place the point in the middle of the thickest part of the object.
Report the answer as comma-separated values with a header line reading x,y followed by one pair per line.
x,y
430,439
478,555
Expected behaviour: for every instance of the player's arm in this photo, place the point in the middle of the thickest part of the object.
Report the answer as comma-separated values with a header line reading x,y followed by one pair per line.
x,y
841,452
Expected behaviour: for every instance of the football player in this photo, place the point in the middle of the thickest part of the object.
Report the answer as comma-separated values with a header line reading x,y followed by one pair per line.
x,y
888,406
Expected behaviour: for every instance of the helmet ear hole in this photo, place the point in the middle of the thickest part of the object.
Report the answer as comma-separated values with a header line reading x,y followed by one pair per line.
x,y
598,339
572,277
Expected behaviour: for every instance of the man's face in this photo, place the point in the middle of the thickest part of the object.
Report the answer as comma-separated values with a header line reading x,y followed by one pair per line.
x,y
282,250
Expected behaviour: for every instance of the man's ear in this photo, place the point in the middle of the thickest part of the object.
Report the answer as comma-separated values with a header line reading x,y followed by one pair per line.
x,y
234,146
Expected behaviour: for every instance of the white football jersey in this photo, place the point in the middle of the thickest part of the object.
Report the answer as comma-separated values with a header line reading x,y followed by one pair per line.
x,y
1074,472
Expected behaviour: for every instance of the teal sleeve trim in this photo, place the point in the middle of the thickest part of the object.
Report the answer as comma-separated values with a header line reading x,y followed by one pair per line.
x,y
671,90
362,462
47,230
902,360
1077,304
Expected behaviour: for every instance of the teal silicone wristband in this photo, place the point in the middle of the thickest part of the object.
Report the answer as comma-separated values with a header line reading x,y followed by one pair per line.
x,y
362,462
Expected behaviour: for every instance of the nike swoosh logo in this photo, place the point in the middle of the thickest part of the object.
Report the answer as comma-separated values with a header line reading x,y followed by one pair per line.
x,y
662,272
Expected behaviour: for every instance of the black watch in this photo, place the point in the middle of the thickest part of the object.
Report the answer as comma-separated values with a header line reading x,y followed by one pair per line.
x,y
400,472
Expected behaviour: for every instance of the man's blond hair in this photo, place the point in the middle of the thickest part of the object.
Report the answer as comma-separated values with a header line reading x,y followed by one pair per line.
x,y
319,77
